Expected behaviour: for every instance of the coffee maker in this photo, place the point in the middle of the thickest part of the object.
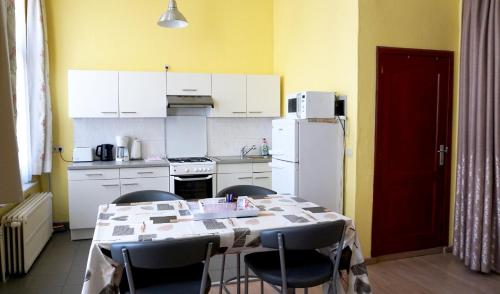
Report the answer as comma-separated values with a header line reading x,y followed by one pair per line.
x,y
122,153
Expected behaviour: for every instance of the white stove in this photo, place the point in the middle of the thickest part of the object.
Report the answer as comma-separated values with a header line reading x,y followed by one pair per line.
x,y
192,177
191,166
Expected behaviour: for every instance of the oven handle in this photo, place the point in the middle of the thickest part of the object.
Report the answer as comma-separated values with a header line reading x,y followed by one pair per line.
x,y
192,179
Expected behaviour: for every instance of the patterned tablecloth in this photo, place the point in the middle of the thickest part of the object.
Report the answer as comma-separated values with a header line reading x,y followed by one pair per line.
x,y
172,219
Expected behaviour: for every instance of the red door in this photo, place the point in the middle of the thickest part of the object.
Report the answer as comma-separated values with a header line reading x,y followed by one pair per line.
x,y
412,146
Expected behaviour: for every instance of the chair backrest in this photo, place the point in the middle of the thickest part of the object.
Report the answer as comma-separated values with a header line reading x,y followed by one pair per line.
x,y
146,196
245,190
163,254
305,237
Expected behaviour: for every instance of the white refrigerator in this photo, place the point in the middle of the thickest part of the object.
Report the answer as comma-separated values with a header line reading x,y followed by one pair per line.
x,y
308,161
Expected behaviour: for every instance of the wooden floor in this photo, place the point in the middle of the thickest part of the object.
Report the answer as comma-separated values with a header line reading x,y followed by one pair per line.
x,y
425,274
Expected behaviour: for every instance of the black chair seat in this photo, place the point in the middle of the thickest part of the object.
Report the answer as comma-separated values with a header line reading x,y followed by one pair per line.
x,y
304,269
178,280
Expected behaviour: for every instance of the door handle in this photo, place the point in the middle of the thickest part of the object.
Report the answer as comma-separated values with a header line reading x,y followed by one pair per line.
x,y
129,111
442,150
110,185
255,111
239,112
190,90
192,179
89,175
262,177
244,178
108,112
130,184
145,173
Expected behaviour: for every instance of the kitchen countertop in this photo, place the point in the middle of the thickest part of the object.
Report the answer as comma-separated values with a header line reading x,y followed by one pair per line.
x,y
238,159
114,164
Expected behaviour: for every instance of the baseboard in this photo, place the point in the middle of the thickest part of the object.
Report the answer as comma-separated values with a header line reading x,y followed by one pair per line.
x,y
409,254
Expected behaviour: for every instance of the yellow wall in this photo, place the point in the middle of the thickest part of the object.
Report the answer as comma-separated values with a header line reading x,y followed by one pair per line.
x,y
228,36
427,24
315,48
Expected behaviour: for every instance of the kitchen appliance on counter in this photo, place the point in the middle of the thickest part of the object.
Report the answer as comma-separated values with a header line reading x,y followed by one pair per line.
x,y
308,161
310,104
192,177
122,153
82,154
104,152
136,150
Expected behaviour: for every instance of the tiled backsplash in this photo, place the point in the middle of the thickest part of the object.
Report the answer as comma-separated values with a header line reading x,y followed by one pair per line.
x,y
94,131
225,136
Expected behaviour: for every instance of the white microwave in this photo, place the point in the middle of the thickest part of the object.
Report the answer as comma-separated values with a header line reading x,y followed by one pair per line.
x,y
310,104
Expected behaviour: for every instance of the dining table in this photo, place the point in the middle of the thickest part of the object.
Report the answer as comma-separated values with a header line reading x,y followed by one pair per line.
x,y
160,220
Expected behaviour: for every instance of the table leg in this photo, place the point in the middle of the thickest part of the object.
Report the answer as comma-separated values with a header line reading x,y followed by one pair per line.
x,y
238,273
221,285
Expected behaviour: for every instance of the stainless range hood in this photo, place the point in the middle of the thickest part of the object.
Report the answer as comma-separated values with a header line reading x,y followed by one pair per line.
x,y
176,101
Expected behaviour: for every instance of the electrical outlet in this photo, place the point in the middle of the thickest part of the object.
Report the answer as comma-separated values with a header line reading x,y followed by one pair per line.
x,y
57,149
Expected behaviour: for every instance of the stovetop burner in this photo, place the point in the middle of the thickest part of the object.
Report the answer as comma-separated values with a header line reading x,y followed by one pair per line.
x,y
189,159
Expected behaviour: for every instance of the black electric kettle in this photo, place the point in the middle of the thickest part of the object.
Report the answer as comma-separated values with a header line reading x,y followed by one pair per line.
x,y
104,152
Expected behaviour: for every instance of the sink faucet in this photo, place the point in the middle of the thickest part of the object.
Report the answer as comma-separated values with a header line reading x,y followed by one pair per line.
x,y
246,149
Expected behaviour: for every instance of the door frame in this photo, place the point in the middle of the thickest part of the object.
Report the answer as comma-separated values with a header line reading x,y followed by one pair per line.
x,y
377,206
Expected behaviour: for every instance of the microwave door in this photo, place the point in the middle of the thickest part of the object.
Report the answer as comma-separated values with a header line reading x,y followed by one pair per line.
x,y
285,140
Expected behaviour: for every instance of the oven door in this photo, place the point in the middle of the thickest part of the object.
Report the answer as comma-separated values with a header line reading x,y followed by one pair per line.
x,y
193,186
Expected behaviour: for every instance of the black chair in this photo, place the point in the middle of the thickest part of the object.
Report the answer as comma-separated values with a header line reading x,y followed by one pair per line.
x,y
146,196
239,190
296,263
168,266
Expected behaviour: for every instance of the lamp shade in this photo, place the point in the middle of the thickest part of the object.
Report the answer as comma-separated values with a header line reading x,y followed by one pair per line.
x,y
172,18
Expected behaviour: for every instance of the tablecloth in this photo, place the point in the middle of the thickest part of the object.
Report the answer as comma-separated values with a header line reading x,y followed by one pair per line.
x,y
150,221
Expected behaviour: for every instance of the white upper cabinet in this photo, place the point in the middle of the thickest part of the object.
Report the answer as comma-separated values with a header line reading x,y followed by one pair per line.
x,y
189,84
93,93
142,94
263,96
229,95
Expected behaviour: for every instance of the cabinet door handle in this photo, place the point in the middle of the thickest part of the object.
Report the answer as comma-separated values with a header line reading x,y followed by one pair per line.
x,y
89,175
189,90
129,112
145,173
130,184
244,178
110,185
239,112
255,112
107,112
262,177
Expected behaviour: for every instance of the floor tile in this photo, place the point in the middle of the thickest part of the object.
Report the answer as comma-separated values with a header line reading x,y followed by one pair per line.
x,y
70,289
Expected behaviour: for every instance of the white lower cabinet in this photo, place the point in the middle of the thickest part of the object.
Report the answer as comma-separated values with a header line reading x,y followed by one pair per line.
x,y
227,180
86,196
258,174
90,188
141,184
262,179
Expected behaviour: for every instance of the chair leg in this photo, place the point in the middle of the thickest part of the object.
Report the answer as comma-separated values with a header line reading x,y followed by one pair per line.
x,y
261,286
238,273
246,279
221,285
306,291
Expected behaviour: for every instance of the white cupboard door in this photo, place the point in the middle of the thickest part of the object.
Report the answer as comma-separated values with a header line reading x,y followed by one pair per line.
x,y
141,184
263,96
93,93
285,177
142,94
189,84
229,94
227,180
85,198
262,180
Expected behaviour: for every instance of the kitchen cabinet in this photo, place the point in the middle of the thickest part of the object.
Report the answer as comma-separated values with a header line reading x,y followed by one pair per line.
x,y
93,93
229,95
141,184
227,180
142,94
84,199
262,179
258,174
189,84
87,189
263,96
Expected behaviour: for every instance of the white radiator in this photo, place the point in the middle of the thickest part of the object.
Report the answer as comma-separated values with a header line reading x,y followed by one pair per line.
x,y
26,229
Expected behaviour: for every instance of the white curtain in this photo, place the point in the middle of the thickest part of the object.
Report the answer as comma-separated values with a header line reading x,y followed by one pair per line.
x,y
34,119
22,101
